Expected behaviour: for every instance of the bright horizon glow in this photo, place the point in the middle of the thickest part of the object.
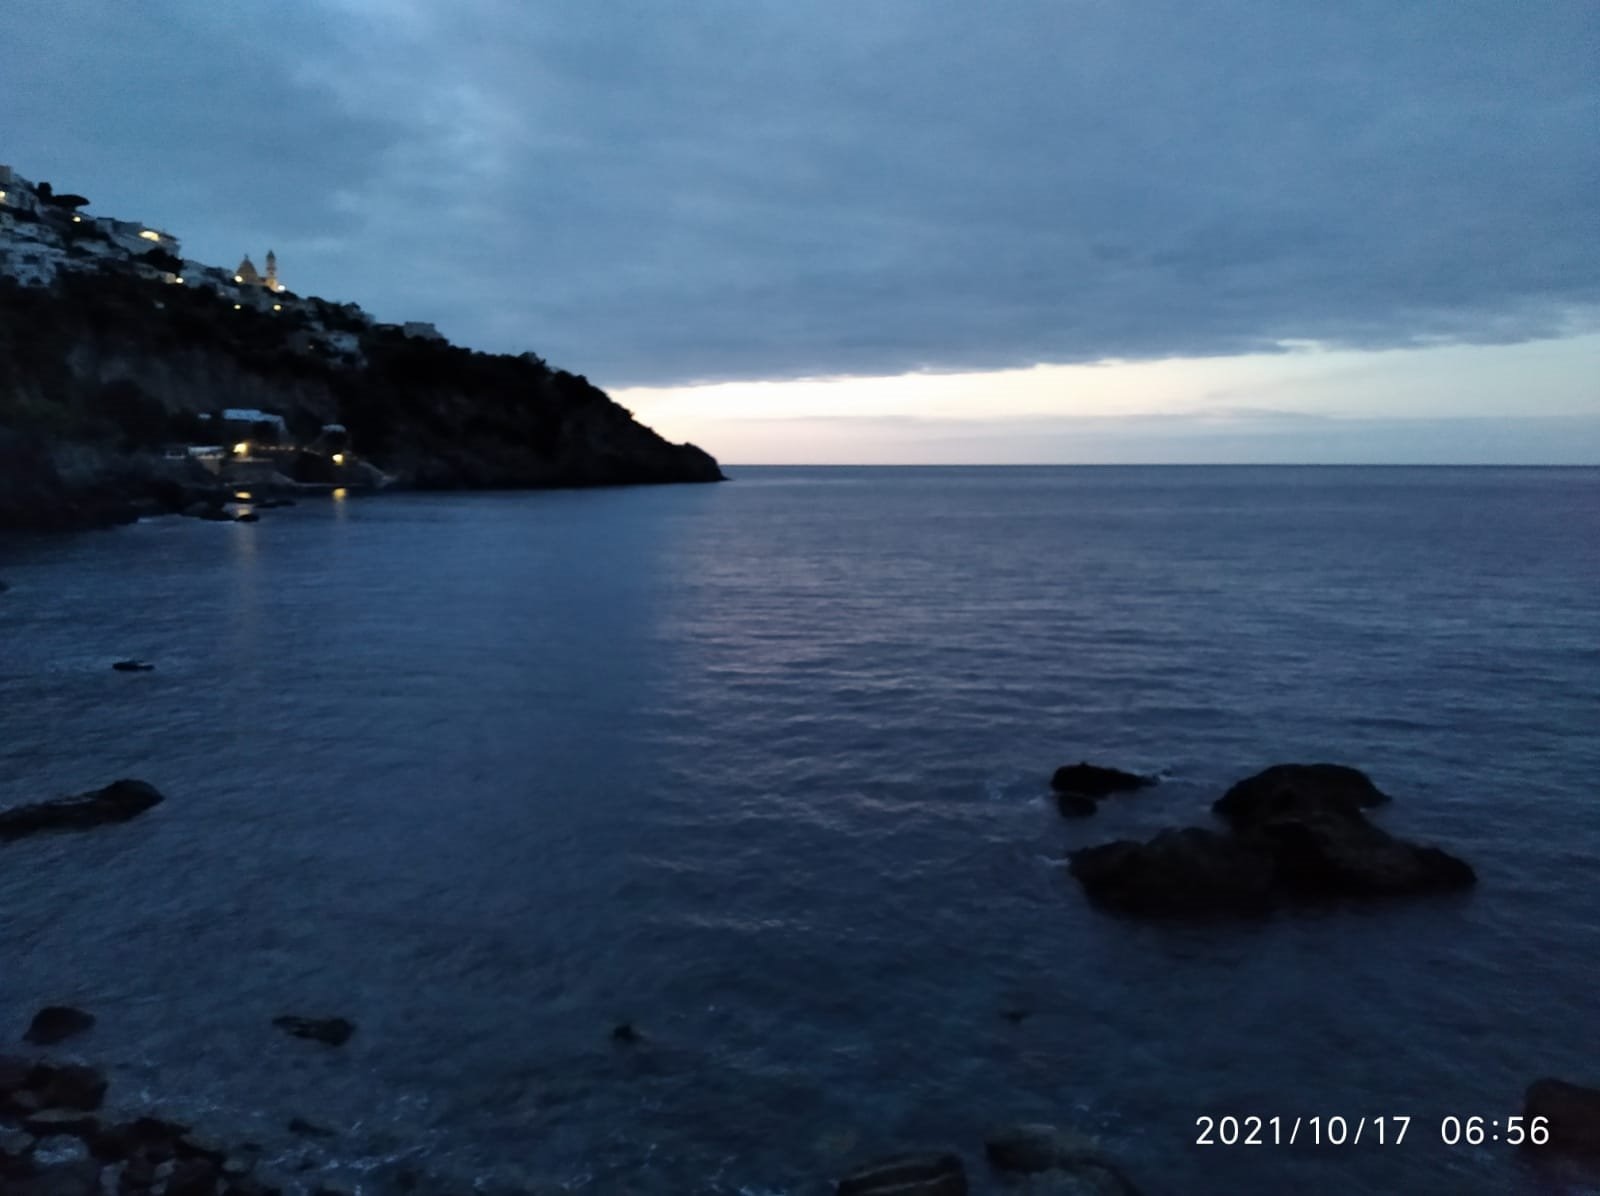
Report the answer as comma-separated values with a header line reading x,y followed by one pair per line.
x,y
1464,404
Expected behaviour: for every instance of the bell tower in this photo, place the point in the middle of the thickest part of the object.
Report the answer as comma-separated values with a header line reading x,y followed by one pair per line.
x,y
272,272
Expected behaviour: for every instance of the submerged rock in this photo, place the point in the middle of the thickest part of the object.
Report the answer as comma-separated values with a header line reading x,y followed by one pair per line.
x,y
1063,1161
908,1175
133,666
310,1129
1034,1147
335,1031
1075,805
626,1033
56,1022
1573,1111
1093,780
117,802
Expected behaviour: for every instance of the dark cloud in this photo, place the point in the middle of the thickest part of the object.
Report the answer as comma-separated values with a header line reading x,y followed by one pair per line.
x,y
657,193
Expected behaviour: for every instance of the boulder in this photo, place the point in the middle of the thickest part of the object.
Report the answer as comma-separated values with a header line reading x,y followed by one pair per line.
x,y
133,666
335,1031
908,1175
63,1178
117,802
1093,780
46,1122
14,1074
1573,1111
56,1022
193,1177
1189,871
68,1086
1298,790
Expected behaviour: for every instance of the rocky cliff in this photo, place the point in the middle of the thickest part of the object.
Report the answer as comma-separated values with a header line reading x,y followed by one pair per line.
x,y
104,369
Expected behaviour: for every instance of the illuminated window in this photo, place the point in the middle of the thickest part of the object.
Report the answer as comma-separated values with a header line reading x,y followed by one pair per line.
x,y
150,235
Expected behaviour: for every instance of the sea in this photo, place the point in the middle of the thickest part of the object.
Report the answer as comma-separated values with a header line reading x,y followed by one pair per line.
x,y
761,771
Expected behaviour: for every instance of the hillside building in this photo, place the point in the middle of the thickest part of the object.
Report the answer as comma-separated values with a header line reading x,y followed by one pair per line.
x,y
247,275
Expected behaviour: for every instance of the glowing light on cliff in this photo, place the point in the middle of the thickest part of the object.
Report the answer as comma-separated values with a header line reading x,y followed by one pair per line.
x,y
242,449
238,278
338,458
150,234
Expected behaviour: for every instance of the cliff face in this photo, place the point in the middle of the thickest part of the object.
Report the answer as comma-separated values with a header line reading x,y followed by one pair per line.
x,y
101,369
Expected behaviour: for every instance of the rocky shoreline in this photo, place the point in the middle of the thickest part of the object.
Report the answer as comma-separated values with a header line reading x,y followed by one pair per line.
x,y
35,498
1295,833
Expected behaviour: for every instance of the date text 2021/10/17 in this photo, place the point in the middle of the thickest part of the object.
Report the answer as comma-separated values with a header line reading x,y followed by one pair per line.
x,y
1388,1130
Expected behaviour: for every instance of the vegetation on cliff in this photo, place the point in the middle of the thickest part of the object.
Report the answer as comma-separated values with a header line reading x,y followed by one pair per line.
x,y
103,368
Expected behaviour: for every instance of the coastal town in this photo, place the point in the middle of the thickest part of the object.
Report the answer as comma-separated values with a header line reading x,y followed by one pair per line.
x,y
46,234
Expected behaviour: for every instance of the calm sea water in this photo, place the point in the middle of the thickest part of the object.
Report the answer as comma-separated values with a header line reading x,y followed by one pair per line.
x,y
761,768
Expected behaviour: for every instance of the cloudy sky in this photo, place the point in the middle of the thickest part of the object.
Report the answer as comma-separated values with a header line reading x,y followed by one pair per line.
x,y
899,230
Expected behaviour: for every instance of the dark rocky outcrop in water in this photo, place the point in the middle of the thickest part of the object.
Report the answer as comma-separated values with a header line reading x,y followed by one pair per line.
x,y
335,1031
908,1175
1094,780
1188,871
1298,789
1296,833
1079,787
117,802
56,1022
101,370
56,1106
133,666
1573,1113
